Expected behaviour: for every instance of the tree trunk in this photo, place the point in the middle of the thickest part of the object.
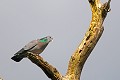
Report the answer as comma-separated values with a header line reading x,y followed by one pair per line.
x,y
78,58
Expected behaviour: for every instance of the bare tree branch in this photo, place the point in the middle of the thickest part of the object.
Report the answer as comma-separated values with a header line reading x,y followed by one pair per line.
x,y
79,57
48,69
90,39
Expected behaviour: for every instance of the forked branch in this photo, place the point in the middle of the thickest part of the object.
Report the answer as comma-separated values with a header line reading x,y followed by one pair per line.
x,y
79,57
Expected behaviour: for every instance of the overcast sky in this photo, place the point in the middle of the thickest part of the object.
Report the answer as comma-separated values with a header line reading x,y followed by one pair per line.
x,y
66,21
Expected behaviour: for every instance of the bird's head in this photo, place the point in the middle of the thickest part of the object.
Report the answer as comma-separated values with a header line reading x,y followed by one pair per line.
x,y
46,39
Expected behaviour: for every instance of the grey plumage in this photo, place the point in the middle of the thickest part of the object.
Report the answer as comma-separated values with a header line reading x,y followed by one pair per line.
x,y
35,46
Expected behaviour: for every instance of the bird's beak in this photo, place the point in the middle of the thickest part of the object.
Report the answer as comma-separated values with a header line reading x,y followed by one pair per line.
x,y
51,40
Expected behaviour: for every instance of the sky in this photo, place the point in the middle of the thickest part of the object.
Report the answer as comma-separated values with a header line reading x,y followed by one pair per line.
x,y
66,21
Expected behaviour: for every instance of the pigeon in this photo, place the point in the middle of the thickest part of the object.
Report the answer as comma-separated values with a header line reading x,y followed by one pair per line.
x,y
35,46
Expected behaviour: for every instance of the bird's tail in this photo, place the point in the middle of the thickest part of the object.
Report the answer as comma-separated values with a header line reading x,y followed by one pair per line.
x,y
16,58
19,55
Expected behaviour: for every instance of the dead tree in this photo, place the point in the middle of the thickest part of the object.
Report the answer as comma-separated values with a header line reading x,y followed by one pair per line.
x,y
78,58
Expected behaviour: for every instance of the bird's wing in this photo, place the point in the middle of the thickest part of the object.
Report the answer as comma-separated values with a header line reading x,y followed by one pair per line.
x,y
22,53
30,45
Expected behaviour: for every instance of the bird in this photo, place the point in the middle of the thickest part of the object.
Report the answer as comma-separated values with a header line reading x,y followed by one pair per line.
x,y
35,46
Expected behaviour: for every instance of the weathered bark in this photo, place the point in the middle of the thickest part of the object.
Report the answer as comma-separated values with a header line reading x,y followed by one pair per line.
x,y
77,60
48,69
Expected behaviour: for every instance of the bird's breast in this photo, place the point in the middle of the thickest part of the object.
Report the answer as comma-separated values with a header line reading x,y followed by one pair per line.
x,y
37,50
